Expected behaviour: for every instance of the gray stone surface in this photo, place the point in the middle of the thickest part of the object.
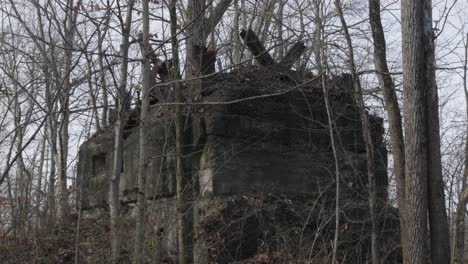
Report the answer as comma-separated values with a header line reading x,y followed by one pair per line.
x,y
278,144
255,152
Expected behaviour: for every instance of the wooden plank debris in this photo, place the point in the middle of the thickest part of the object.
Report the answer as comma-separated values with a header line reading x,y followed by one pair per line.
x,y
255,46
293,54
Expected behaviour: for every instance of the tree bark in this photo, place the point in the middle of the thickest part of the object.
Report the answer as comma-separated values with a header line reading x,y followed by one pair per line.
x,y
393,111
142,159
198,30
279,29
318,34
114,202
416,130
459,238
38,191
438,224
17,218
336,154
182,194
369,146
62,162
336,158
102,72
237,47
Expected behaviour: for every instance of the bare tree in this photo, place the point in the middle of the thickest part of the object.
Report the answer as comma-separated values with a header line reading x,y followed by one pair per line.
x,y
438,224
198,30
64,97
459,235
114,201
182,195
369,145
422,140
333,140
142,157
393,110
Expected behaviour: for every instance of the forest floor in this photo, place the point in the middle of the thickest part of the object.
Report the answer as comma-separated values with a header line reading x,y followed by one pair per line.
x,y
60,245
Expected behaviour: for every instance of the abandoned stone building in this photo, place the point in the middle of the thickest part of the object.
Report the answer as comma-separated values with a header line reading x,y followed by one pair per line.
x,y
258,155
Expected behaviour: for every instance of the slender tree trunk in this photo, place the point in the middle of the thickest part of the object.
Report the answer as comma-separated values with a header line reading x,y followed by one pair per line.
x,y
38,191
318,34
114,202
13,207
319,38
279,29
237,47
459,222
92,94
102,72
459,235
24,177
438,224
51,124
142,159
366,130
62,162
393,111
52,138
20,170
334,145
197,35
337,171
62,192
183,195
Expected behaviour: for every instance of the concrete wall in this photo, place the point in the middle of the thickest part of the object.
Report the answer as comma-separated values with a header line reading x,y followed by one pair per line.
x,y
277,144
241,155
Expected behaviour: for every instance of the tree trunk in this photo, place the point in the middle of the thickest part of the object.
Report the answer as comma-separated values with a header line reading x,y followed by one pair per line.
x,y
62,162
52,138
393,111
369,146
92,94
102,73
17,218
318,35
459,238
336,156
337,170
142,159
198,30
114,202
38,191
415,122
237,46
183,195
438,224
279,50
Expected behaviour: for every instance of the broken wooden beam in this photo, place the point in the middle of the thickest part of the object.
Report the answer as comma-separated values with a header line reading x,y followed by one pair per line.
x,y
255,46
293,54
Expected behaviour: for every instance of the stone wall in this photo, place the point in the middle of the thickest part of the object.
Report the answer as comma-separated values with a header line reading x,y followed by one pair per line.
x,y
246,137
275,144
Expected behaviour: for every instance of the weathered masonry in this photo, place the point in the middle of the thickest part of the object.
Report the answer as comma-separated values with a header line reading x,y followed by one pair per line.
x,y
261,132
258,159
263,143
